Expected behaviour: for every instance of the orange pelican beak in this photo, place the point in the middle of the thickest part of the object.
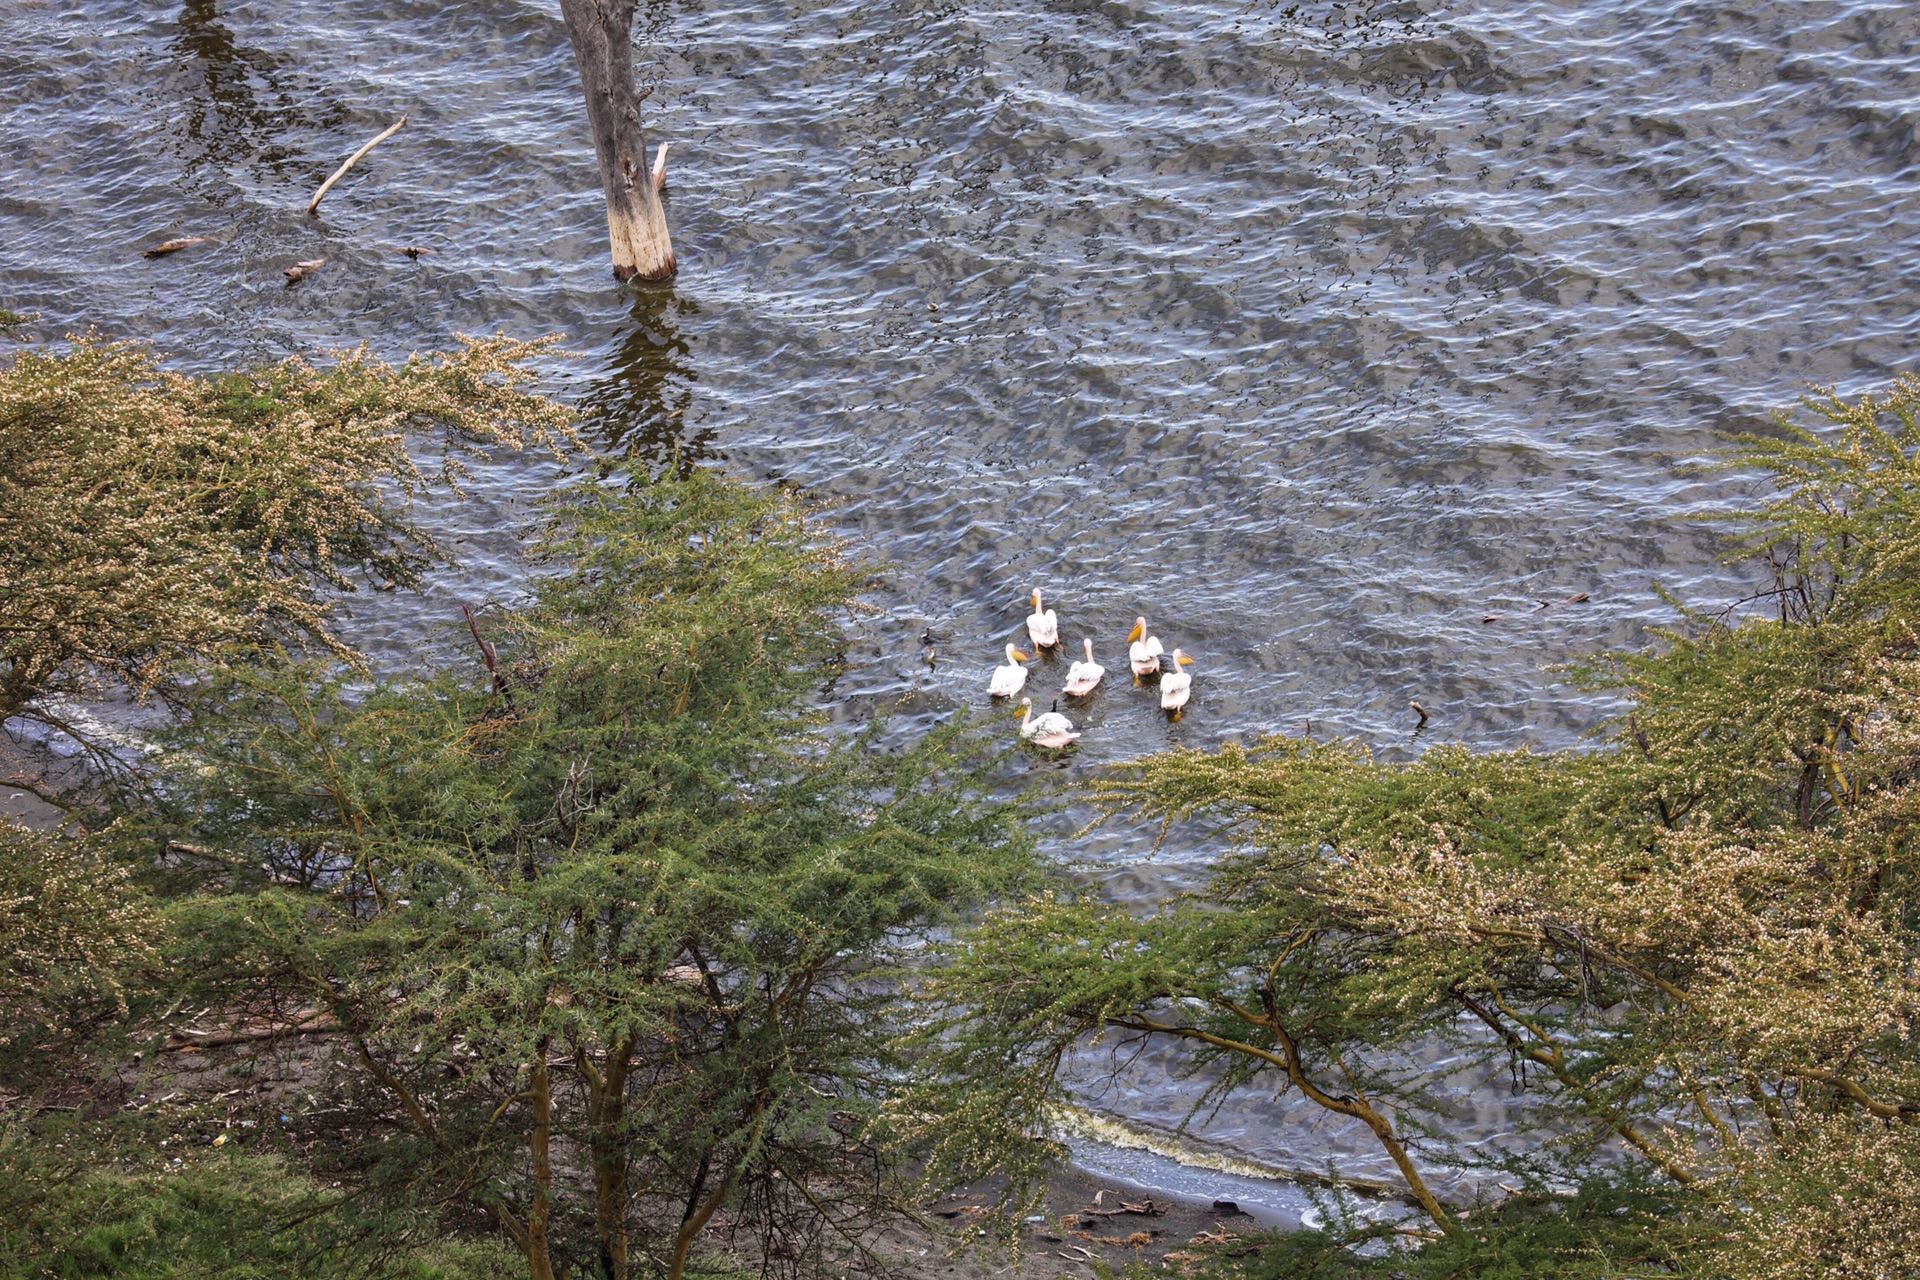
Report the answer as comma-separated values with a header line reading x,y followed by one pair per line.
x,y
1139,629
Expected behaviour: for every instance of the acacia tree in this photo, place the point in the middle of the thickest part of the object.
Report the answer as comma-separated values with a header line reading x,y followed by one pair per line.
x,y
608,902
75,934
1700,938
154,524
149,519
602,35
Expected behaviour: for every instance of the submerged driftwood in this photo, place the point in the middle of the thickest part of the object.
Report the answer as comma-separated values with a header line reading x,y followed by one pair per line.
x,y
313,206
176,245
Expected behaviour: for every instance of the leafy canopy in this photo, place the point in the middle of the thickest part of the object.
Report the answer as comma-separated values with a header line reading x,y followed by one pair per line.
x,y
149,518
1697,939
609,894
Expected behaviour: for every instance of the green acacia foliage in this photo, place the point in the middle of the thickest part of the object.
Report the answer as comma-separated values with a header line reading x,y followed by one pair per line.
x,y
76,932
1607,1229
77,1203
148,518
601,916
1698,939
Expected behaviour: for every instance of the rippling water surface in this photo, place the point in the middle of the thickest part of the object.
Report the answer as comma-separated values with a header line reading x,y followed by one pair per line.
x,y
1315,332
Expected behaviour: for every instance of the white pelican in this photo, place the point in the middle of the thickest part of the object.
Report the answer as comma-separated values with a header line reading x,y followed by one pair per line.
x,y
1043,628
1048,729
1082,676
1176,686
1007,680
1143,650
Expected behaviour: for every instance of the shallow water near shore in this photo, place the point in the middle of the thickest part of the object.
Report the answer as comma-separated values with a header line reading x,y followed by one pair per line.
x,y
1317,333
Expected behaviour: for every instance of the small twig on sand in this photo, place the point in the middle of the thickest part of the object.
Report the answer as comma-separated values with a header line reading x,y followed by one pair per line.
x,y
313,209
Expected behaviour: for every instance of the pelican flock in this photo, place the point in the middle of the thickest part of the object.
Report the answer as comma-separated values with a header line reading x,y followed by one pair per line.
x,y
1144,656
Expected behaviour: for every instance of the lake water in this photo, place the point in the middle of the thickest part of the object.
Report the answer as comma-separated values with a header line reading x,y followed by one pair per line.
x,y
1315,332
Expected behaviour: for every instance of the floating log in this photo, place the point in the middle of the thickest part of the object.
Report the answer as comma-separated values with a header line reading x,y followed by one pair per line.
x,y
301,270
313,209
175,246
1574,599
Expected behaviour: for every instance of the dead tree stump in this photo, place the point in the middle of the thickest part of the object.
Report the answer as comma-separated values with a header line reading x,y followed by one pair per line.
x,y
602,33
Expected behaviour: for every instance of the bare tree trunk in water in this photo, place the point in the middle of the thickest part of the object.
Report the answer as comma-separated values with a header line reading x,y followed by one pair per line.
x,y
602,32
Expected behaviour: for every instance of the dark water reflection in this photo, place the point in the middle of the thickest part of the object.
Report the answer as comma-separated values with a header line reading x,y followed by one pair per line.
x,y
637,406
1316,332
239,106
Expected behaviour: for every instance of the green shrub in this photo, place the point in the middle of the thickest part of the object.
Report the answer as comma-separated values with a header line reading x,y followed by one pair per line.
x,y
112,1211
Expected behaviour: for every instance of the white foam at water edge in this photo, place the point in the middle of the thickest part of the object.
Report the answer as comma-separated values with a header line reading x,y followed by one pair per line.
x,y
1182,1167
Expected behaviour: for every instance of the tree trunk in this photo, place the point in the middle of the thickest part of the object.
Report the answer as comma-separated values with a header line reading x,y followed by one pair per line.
x,y
539,1144
606,1116
610,1211
699,1213
602,32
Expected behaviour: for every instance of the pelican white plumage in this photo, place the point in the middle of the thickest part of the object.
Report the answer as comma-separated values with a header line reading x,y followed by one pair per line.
x,y
1043,627
1008,680
1048,729
1176,686
1083,676
1143,650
